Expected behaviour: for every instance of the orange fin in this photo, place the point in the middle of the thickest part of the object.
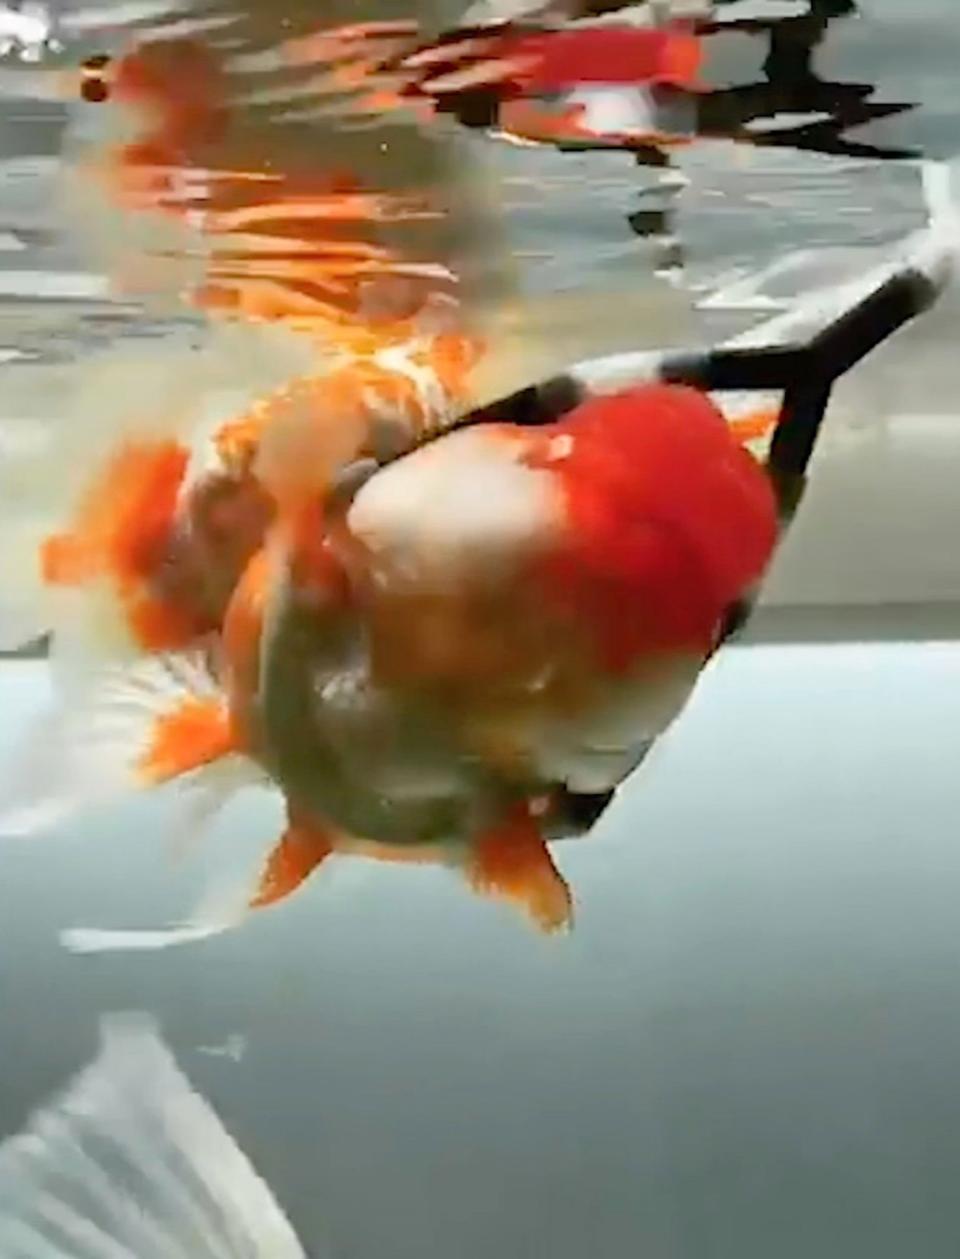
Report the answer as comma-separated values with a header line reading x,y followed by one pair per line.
x,y
754,425
302,847
127,728
195,732
120,530
123,519
512,862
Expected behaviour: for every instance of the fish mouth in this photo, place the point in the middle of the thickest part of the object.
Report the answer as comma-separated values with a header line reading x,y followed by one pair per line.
x,y
575,813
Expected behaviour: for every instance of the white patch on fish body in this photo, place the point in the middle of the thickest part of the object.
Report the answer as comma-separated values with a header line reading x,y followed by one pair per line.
x,y
432,399
597,749
560,448
461,505
612,109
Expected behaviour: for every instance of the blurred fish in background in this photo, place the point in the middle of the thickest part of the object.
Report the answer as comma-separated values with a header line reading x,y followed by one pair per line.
x,y
130,1160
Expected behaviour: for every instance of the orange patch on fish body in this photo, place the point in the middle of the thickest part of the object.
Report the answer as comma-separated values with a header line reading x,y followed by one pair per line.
x,y
242,629
236,442
122,532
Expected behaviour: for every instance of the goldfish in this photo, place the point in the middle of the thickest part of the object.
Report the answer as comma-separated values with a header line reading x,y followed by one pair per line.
x,y
452,657
128,1158
437,636
172,499
456,652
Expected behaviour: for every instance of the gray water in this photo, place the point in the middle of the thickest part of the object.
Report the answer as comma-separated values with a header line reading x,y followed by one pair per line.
x,y
749,1046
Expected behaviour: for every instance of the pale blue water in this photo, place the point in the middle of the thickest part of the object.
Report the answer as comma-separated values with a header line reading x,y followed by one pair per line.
x,y
748,1047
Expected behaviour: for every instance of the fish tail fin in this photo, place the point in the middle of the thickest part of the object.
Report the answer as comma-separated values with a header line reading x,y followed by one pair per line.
x,y
126,729
941,193
939,182
117,533
511,862
130,1159
95,456
86,482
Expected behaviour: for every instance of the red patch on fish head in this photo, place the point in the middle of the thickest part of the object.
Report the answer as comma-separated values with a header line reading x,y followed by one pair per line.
x,y
669,520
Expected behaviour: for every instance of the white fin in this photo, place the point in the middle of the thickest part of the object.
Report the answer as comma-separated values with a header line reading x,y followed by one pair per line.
x,y
940,182
206,793
224,906
87,751
225,903
87,754
103,940
933,250
131,1161
778,286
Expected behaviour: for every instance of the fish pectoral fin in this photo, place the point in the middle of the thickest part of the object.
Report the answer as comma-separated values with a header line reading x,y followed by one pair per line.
x,y
192,734
130,727
511,862
302,847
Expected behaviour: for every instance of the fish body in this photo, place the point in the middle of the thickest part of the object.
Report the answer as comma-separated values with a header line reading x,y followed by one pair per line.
x,y
445,663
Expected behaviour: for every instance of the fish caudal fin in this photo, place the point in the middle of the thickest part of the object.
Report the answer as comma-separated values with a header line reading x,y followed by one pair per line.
x,y
131,1160
302,847
126,729
511,862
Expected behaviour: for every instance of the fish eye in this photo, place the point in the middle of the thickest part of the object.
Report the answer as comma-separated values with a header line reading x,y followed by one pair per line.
x,y
95,91
94,86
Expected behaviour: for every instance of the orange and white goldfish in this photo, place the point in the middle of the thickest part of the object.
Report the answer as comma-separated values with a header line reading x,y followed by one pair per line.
x,y
444,661
152,525
454,655
129,1159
